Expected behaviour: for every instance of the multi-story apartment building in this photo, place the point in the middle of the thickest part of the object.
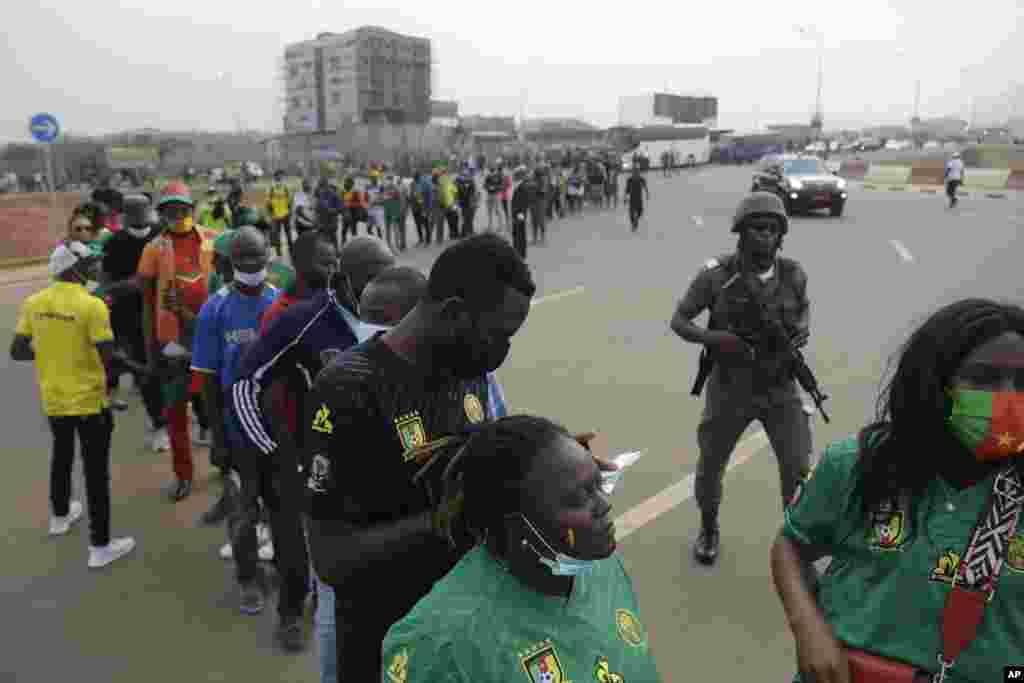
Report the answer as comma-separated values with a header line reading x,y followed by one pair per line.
x,y
365,75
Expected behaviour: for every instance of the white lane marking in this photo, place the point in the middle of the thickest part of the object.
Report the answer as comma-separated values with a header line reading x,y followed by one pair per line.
x,y
902,251
558,295
671,497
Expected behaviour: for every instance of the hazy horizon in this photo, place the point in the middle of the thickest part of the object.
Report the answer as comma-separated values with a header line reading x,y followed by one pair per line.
x,y
107,66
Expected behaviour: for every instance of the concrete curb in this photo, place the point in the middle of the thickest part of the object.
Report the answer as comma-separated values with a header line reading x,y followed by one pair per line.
x,y
20,263
920,189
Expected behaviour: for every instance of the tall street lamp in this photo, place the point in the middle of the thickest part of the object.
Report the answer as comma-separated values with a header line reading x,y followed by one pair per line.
x,y
819,38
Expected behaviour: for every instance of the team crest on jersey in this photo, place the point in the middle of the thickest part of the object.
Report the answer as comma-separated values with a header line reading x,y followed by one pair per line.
x,y
398,669
322,420
474,410
328,355
629,627
1015,554
319,474
604,674
887,528
410,432
946,567
541,664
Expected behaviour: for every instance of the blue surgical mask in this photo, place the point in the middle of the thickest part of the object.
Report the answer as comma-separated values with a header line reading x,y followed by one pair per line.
x,y
361,330
561,564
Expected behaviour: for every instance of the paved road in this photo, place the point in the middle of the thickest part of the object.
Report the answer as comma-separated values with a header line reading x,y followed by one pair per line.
x,y
600,357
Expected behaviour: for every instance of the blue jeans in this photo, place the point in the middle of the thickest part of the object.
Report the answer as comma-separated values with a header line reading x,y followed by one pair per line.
x,y
326,633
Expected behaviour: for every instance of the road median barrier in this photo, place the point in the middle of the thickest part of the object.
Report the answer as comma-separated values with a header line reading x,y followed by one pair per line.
x,y
853,169
878,174
986,179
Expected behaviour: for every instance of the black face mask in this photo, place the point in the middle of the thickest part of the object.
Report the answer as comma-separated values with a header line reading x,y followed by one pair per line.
x,y
471,355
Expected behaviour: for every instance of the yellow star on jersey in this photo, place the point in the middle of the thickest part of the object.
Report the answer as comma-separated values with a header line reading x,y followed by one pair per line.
x,y
1005,440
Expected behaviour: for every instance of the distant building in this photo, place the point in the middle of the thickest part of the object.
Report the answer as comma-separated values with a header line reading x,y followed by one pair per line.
x,y
666,109
444,114
793,132
561,131
942,127
490,124
366,75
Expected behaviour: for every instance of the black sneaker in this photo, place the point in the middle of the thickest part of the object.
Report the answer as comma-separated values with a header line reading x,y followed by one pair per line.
x,y
291,634
217,513
251,598
178,490
706,547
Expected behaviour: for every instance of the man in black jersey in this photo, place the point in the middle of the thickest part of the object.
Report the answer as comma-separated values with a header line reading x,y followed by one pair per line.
x,y
374,536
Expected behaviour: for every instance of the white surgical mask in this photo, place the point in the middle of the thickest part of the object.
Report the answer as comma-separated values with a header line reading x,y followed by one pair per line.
x,y
362,330
251,279
141,233
561,564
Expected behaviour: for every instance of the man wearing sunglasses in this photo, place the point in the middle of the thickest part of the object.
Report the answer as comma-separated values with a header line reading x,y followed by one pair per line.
x,y
748,380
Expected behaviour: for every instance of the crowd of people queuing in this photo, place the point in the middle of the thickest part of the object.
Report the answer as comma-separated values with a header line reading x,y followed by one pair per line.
x,y
364,446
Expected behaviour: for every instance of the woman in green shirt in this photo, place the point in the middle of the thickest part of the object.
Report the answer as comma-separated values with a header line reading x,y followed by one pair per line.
x,y
918,512
542,598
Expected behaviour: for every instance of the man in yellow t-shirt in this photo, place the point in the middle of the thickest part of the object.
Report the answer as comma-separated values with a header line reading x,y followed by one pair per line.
x,y
279,206
66,331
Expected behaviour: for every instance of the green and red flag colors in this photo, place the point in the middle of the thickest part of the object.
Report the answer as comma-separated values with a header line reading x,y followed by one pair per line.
x,y
990,423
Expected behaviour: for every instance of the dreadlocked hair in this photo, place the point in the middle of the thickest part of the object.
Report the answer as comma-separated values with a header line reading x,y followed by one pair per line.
x,y
485,465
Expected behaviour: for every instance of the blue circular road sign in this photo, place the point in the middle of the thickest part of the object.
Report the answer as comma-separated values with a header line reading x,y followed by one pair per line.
x,y
44,127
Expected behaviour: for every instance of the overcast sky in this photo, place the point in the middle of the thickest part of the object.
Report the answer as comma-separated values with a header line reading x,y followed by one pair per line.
x,y
103,66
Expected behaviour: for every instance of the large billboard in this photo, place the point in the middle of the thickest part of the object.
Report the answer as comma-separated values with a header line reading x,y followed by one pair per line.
x,y
133,156
685,108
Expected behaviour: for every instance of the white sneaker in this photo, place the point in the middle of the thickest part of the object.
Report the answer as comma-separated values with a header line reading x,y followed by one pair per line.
x,y
262,534
61,525
117,548
161,440
266,552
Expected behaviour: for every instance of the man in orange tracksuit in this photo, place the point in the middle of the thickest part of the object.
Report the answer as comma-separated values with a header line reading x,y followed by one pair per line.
x,y
174,271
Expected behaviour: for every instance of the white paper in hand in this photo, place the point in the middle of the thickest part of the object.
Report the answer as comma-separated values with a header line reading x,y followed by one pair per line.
x,y
174,350
609,480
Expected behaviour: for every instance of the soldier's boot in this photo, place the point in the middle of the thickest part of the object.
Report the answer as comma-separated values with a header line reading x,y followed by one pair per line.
x,y
705,550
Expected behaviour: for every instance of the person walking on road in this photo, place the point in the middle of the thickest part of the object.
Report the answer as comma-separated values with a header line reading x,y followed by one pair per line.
x,y
522,203
279,208
954,177
66,331
746,382
636,191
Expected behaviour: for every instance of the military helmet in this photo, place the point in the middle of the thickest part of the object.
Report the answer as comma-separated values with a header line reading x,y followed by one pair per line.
x,y
763,204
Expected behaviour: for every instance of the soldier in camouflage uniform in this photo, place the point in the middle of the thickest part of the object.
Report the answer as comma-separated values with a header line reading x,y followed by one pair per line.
x,y
748,380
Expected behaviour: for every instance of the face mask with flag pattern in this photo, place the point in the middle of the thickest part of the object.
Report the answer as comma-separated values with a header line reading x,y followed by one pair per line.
x,y
989,423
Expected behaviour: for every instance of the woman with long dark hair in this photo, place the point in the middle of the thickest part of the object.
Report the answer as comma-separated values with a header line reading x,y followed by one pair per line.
x,y
919,514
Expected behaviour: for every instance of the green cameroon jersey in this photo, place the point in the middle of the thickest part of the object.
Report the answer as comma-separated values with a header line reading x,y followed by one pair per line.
x,y
480,624
892,569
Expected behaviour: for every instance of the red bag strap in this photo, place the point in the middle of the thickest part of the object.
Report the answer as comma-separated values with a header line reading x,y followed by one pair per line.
x,y
975,581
